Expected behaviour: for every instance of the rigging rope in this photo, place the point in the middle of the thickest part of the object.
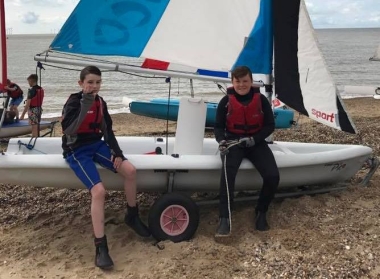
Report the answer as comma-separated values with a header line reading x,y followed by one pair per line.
x,y
229,145
30,146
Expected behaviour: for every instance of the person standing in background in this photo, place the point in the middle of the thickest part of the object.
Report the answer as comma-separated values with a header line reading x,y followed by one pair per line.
x,y
16,94
33,104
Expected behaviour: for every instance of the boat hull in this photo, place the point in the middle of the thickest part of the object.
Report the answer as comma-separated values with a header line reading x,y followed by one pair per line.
x,y
300,164
21,128
158,108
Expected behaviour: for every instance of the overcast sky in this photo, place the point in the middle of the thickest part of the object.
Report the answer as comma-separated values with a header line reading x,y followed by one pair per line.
x,y
48,16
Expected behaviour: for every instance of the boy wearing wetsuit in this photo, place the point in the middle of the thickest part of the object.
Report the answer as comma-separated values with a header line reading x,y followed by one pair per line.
x,y
245,113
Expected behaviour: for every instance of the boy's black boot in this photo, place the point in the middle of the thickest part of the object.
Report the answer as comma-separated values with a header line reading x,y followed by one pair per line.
x,y
102,258
133,220
224,228
261,221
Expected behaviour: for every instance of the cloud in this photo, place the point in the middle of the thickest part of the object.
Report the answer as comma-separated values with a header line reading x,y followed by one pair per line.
x,y
344,13
43,3
30,18
42,16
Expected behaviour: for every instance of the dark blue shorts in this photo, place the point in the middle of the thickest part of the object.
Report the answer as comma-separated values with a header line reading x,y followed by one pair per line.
x,y
82,161
16,102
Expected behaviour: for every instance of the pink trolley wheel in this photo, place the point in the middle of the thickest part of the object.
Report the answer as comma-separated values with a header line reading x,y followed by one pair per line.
x,y
174,220
174,216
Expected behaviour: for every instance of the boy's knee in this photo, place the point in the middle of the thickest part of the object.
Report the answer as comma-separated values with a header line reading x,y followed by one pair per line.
x,y
272,180
98,191
128,169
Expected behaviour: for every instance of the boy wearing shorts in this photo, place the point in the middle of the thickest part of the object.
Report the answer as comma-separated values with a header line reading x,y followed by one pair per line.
x,y
85,121
33,104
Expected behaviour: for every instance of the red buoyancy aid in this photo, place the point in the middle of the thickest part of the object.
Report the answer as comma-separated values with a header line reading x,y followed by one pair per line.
x,y
244,119
14,94
37,100
94,116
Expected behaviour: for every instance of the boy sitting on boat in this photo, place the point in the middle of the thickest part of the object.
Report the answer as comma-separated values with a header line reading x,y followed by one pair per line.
x,y
244,113
85,121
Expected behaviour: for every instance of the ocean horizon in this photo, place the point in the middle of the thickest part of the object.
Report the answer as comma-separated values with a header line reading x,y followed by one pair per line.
x,y
346,52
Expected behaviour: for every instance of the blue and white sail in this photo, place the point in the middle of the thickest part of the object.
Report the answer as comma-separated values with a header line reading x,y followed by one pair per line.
x,y
206,40
203,37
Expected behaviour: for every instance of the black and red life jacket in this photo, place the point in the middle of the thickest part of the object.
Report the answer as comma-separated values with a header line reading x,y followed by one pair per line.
x,y
244,119
94,116
14,94
38,99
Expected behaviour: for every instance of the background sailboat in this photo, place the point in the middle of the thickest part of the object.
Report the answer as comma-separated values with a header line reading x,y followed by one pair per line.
x,y
22,127
176,31
376,56
365,91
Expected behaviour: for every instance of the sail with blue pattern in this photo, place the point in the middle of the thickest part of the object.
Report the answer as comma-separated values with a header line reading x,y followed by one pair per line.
x,y
178,33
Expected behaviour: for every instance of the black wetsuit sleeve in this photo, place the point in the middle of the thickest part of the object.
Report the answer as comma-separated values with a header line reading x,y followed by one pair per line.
x,y
269,124
109,136
220,120
70,112
75,111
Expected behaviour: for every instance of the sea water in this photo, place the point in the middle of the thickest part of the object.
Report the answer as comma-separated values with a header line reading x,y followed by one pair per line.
x,y
346,52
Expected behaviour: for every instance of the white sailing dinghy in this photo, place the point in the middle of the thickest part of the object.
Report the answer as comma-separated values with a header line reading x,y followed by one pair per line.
x,y
205,44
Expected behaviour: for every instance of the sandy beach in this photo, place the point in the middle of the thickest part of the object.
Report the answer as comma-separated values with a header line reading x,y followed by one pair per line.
x,y
47,233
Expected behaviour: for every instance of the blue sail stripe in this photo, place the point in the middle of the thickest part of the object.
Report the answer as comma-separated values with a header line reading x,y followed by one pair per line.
x,y
204,72
257,54
111,27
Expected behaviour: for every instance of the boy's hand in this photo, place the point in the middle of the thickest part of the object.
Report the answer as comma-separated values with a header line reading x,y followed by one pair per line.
x,y
87,90
116,162
223,147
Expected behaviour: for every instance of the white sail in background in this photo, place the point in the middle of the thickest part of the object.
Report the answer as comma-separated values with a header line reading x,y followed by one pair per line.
x,y
318,87
376,56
